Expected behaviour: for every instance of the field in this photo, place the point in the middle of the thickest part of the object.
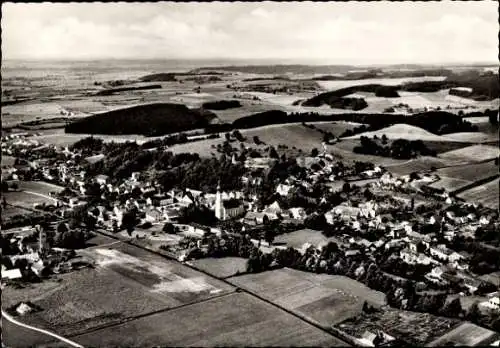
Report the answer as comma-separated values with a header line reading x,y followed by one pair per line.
x,y
27,199
466,334
39,187
126,282
454,178
325,299
221,267
10,211
16,336
420,164
7,161
486,194
235,320
296,239
471,137
472,153
333,85
408,132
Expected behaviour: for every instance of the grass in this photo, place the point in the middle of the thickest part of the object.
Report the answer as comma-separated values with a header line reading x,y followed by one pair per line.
x,y
221,267
449,184
466,173
17,336
10,211
297,239
39,187
466,334
126,282
25,199
326,299
486,194
473,153
233,320
7,161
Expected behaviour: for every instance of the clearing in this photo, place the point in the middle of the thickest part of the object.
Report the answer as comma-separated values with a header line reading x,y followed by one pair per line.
x,y
325,299
233,320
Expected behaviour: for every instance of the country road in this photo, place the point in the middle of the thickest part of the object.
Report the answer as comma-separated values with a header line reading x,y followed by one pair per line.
x,y
45,332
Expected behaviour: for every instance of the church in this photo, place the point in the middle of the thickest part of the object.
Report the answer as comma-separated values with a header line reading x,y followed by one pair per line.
x,y
229,208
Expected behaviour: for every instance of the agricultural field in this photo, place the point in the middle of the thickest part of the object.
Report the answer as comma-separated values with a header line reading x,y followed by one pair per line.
x,y
472,137
7,161
413,327
27,199
297,239
420,164
466,334
223,267
325,299
39,187
337,128
474,153
486,194
333,85
16,336
125,282
454,178
232,320
11,211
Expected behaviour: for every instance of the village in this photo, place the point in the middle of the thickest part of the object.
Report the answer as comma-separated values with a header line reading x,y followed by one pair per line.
x,y
353,219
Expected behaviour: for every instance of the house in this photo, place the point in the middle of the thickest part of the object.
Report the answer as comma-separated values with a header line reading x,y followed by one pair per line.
x,y
493,303
409,256
283,189
273,208
298,213
231,208
11,274
153,215
256,218
102,179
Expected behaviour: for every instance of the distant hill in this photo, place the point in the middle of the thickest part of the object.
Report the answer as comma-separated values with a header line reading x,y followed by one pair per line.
x,y
161,77
150,119
331,98
110,91
283,69
221,105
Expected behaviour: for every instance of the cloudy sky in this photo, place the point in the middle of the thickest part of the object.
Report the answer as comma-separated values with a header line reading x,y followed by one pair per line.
x,y
363,33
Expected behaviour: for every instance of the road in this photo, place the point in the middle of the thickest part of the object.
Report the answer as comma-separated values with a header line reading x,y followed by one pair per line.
x,y
45,332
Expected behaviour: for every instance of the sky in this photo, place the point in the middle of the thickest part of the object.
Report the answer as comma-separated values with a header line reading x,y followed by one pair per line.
x,y
323,32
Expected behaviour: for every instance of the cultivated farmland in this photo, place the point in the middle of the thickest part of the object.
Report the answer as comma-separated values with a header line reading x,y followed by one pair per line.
x,y
472,153
486,194
233,320
127,281
326,299
27,199
221,267
466,334
455,178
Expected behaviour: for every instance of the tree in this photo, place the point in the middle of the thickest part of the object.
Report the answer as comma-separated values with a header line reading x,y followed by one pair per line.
x,y
169,228
474,314
256,140
384,139
228,137
129,221
314,152
273,153
453,308
269,235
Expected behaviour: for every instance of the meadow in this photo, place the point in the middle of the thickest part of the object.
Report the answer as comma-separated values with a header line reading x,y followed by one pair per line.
x,y
333,85
486,194
325,299
26,199
297,239
235,320
466,334
223,267
472,153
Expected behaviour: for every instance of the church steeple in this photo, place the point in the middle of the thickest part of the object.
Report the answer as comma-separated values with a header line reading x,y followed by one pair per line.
x,y
218,203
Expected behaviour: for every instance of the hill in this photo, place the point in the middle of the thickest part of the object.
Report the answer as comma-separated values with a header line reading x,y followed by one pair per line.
x,y
403,131
158,77
150,119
